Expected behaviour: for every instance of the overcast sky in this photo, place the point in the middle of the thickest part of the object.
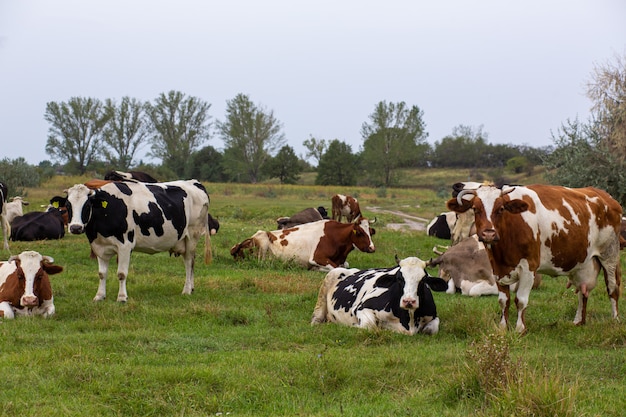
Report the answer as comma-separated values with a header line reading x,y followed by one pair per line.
x,y
518,68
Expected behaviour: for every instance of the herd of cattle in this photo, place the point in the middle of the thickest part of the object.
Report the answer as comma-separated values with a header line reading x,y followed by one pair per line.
x,y
502,240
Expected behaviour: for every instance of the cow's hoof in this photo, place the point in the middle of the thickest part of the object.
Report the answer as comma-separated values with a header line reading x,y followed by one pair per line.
x,y
99,298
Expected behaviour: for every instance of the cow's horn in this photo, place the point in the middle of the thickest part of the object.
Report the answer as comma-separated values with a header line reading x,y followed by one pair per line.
x,y
373,221
397,259
48,259
459,197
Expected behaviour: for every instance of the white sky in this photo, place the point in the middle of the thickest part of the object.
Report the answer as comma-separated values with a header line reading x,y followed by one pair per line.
x,y
518,68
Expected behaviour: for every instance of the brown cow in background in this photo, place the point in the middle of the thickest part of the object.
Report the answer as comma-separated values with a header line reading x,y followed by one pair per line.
x,y
345,206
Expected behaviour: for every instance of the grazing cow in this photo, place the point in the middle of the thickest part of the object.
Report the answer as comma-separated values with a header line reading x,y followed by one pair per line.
x,y
214,225
38,225
307,215
442,225
322,245
547,229
345,206
121,217
467,268
4,193
25,285
135,176
397,298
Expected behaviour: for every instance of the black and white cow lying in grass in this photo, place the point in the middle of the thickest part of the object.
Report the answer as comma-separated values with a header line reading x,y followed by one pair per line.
x,y
396,298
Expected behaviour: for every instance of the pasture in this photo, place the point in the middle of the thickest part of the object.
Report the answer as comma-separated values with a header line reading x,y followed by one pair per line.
x,y
242,345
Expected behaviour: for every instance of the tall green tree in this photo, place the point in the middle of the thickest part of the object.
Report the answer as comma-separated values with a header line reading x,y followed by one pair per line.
x,y
180,125
466,147
315,148
338,166
251,136
285,166
127,131
206,165
391,140
76,131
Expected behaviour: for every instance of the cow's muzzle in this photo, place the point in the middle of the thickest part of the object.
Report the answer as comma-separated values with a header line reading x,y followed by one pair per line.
x,y
408,303
489,236
29,301
76,229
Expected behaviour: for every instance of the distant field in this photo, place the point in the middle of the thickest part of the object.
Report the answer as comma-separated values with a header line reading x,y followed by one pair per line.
x,y
242,345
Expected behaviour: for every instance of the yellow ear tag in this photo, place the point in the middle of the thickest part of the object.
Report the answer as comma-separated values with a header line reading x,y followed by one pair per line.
x,y
55,204
354,231
104,204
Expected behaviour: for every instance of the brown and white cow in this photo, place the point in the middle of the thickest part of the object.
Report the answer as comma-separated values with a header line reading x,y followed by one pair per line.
x,y
25,285
547,229
345,206
322,245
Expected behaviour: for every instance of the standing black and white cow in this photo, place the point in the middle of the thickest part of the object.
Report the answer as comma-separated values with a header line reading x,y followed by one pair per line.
x,y
121,217
397,298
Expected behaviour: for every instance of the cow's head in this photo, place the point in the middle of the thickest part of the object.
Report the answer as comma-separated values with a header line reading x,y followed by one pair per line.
x,y
78,207
413,278
362,235
29,285
490,205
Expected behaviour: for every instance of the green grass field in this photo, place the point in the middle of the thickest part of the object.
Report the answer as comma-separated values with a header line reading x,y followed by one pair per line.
x,y
242,345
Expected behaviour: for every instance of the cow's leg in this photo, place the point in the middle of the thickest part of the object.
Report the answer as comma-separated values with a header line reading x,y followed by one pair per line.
x,y
5,232
522,295
428,325
103,268
6,311
189,259
581,311
613,279
123,263
504,299
46,309
321,307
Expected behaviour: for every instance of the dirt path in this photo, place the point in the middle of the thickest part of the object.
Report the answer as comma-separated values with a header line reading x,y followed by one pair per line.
x,y
410,222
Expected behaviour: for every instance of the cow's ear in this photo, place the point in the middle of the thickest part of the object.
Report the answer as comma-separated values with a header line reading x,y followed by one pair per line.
x,y
436,283
516,206
51,269
387,280
454,205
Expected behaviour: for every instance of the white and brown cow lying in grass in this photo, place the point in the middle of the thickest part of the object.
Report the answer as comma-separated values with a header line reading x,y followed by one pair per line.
x,y
322,245
397,298
25,285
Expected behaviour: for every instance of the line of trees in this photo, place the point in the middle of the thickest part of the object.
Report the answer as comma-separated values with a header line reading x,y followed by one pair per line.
x,y
89,134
